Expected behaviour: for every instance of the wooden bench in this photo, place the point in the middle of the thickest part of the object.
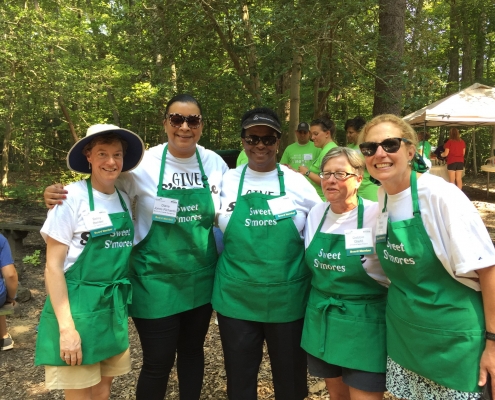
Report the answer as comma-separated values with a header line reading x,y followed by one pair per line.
x,y
7,309
16,231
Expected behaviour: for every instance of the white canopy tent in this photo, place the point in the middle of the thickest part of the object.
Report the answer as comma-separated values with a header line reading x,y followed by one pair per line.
x,y
473,106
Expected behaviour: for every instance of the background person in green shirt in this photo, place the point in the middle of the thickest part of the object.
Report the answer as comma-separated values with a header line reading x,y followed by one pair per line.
x,y
424,147
367,190
241,158
303,152
322,132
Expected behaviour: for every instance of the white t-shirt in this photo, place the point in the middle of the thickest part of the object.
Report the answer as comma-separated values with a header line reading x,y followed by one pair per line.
x,y
297,188
338,223
459,237
180,173
66,225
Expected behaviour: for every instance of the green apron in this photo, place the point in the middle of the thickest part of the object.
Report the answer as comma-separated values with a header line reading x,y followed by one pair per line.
x,y
99,292
261,274
435,324
172,268
345,319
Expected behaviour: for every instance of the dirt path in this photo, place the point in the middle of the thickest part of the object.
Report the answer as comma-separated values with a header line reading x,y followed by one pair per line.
x,y
20,380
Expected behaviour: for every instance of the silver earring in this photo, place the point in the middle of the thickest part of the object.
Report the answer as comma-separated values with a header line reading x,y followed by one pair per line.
x,y
89,165
409,163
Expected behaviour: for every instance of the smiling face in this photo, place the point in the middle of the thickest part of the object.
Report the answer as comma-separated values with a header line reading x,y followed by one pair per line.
x,y
319,136
262,158
106,161
391,169
182,140
340,194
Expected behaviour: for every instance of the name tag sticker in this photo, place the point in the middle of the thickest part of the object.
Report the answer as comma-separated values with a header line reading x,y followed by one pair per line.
x,y
308,157
282,207
381,227
165,210
359,242
98,223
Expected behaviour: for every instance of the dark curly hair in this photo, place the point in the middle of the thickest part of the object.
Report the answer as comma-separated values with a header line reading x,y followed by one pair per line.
x,y
325,122
357,123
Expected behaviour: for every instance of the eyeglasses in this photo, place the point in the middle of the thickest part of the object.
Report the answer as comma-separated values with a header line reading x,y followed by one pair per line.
x,y
339,175
253,140
390,145
176,120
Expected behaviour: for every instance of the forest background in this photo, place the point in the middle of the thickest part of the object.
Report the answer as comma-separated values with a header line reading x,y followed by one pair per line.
x,y
68,64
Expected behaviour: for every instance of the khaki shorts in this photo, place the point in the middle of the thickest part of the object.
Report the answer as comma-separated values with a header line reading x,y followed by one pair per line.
x,y
84,376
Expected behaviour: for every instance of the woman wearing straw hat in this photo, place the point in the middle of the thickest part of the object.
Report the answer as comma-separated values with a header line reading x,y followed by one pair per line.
x,y
172,264
83,336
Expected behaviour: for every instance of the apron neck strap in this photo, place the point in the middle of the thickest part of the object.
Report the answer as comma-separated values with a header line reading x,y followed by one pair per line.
x,y
360,215
414,194
92,201
204,178
280,180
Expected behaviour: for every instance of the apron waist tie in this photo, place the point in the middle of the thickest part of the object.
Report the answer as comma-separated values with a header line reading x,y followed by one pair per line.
x,y
323,306
112,290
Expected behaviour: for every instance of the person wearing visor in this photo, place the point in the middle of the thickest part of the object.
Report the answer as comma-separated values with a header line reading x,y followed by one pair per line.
x,y
261,281
83,333
172,266
436,251
322,132
303,152
348,288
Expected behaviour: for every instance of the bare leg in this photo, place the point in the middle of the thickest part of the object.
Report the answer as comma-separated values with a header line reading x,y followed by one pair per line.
x,y
78,394
101,391
458,178
337,389
357,394
451,176
3,326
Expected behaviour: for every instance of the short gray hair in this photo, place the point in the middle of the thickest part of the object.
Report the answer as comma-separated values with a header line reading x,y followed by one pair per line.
x,y
354,158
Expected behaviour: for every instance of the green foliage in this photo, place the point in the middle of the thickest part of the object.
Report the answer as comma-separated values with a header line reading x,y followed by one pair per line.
x,y
33,259
120,62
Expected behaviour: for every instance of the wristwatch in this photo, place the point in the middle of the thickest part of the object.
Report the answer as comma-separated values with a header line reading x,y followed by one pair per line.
x,y
307,173
489,335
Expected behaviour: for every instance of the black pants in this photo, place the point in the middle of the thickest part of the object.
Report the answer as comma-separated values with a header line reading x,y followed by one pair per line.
x,y
161,338
242,343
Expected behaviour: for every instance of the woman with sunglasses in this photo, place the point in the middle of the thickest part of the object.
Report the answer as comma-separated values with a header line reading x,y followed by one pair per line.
x,y
174,256
322,132
349,287
367,190
261,282
434,248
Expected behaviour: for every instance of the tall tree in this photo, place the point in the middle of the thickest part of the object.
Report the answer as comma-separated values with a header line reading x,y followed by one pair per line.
x,y
389,62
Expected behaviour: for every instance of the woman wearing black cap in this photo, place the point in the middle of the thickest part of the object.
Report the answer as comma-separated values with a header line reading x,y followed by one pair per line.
x,y
83,337
261,282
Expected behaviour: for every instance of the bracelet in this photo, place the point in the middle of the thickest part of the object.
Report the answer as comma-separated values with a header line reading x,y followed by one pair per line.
x,y
489,335
307,173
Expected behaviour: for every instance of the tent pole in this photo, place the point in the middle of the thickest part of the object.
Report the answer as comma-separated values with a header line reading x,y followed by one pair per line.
x,y
475,166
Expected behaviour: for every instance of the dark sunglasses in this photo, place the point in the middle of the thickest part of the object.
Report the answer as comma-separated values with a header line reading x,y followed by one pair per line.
x,y
390,145
176,120
253,140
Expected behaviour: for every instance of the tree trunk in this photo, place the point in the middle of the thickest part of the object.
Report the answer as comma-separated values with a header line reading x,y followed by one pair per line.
x,y
295,96
251,56
388,81
480,46
467,51
68,119
453,79
5,150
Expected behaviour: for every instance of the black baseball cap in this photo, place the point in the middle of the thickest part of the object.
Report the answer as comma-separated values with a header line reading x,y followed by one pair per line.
x,y
303,126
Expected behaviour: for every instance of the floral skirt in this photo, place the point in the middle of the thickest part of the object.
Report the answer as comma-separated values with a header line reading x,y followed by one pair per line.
x,y
406,384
